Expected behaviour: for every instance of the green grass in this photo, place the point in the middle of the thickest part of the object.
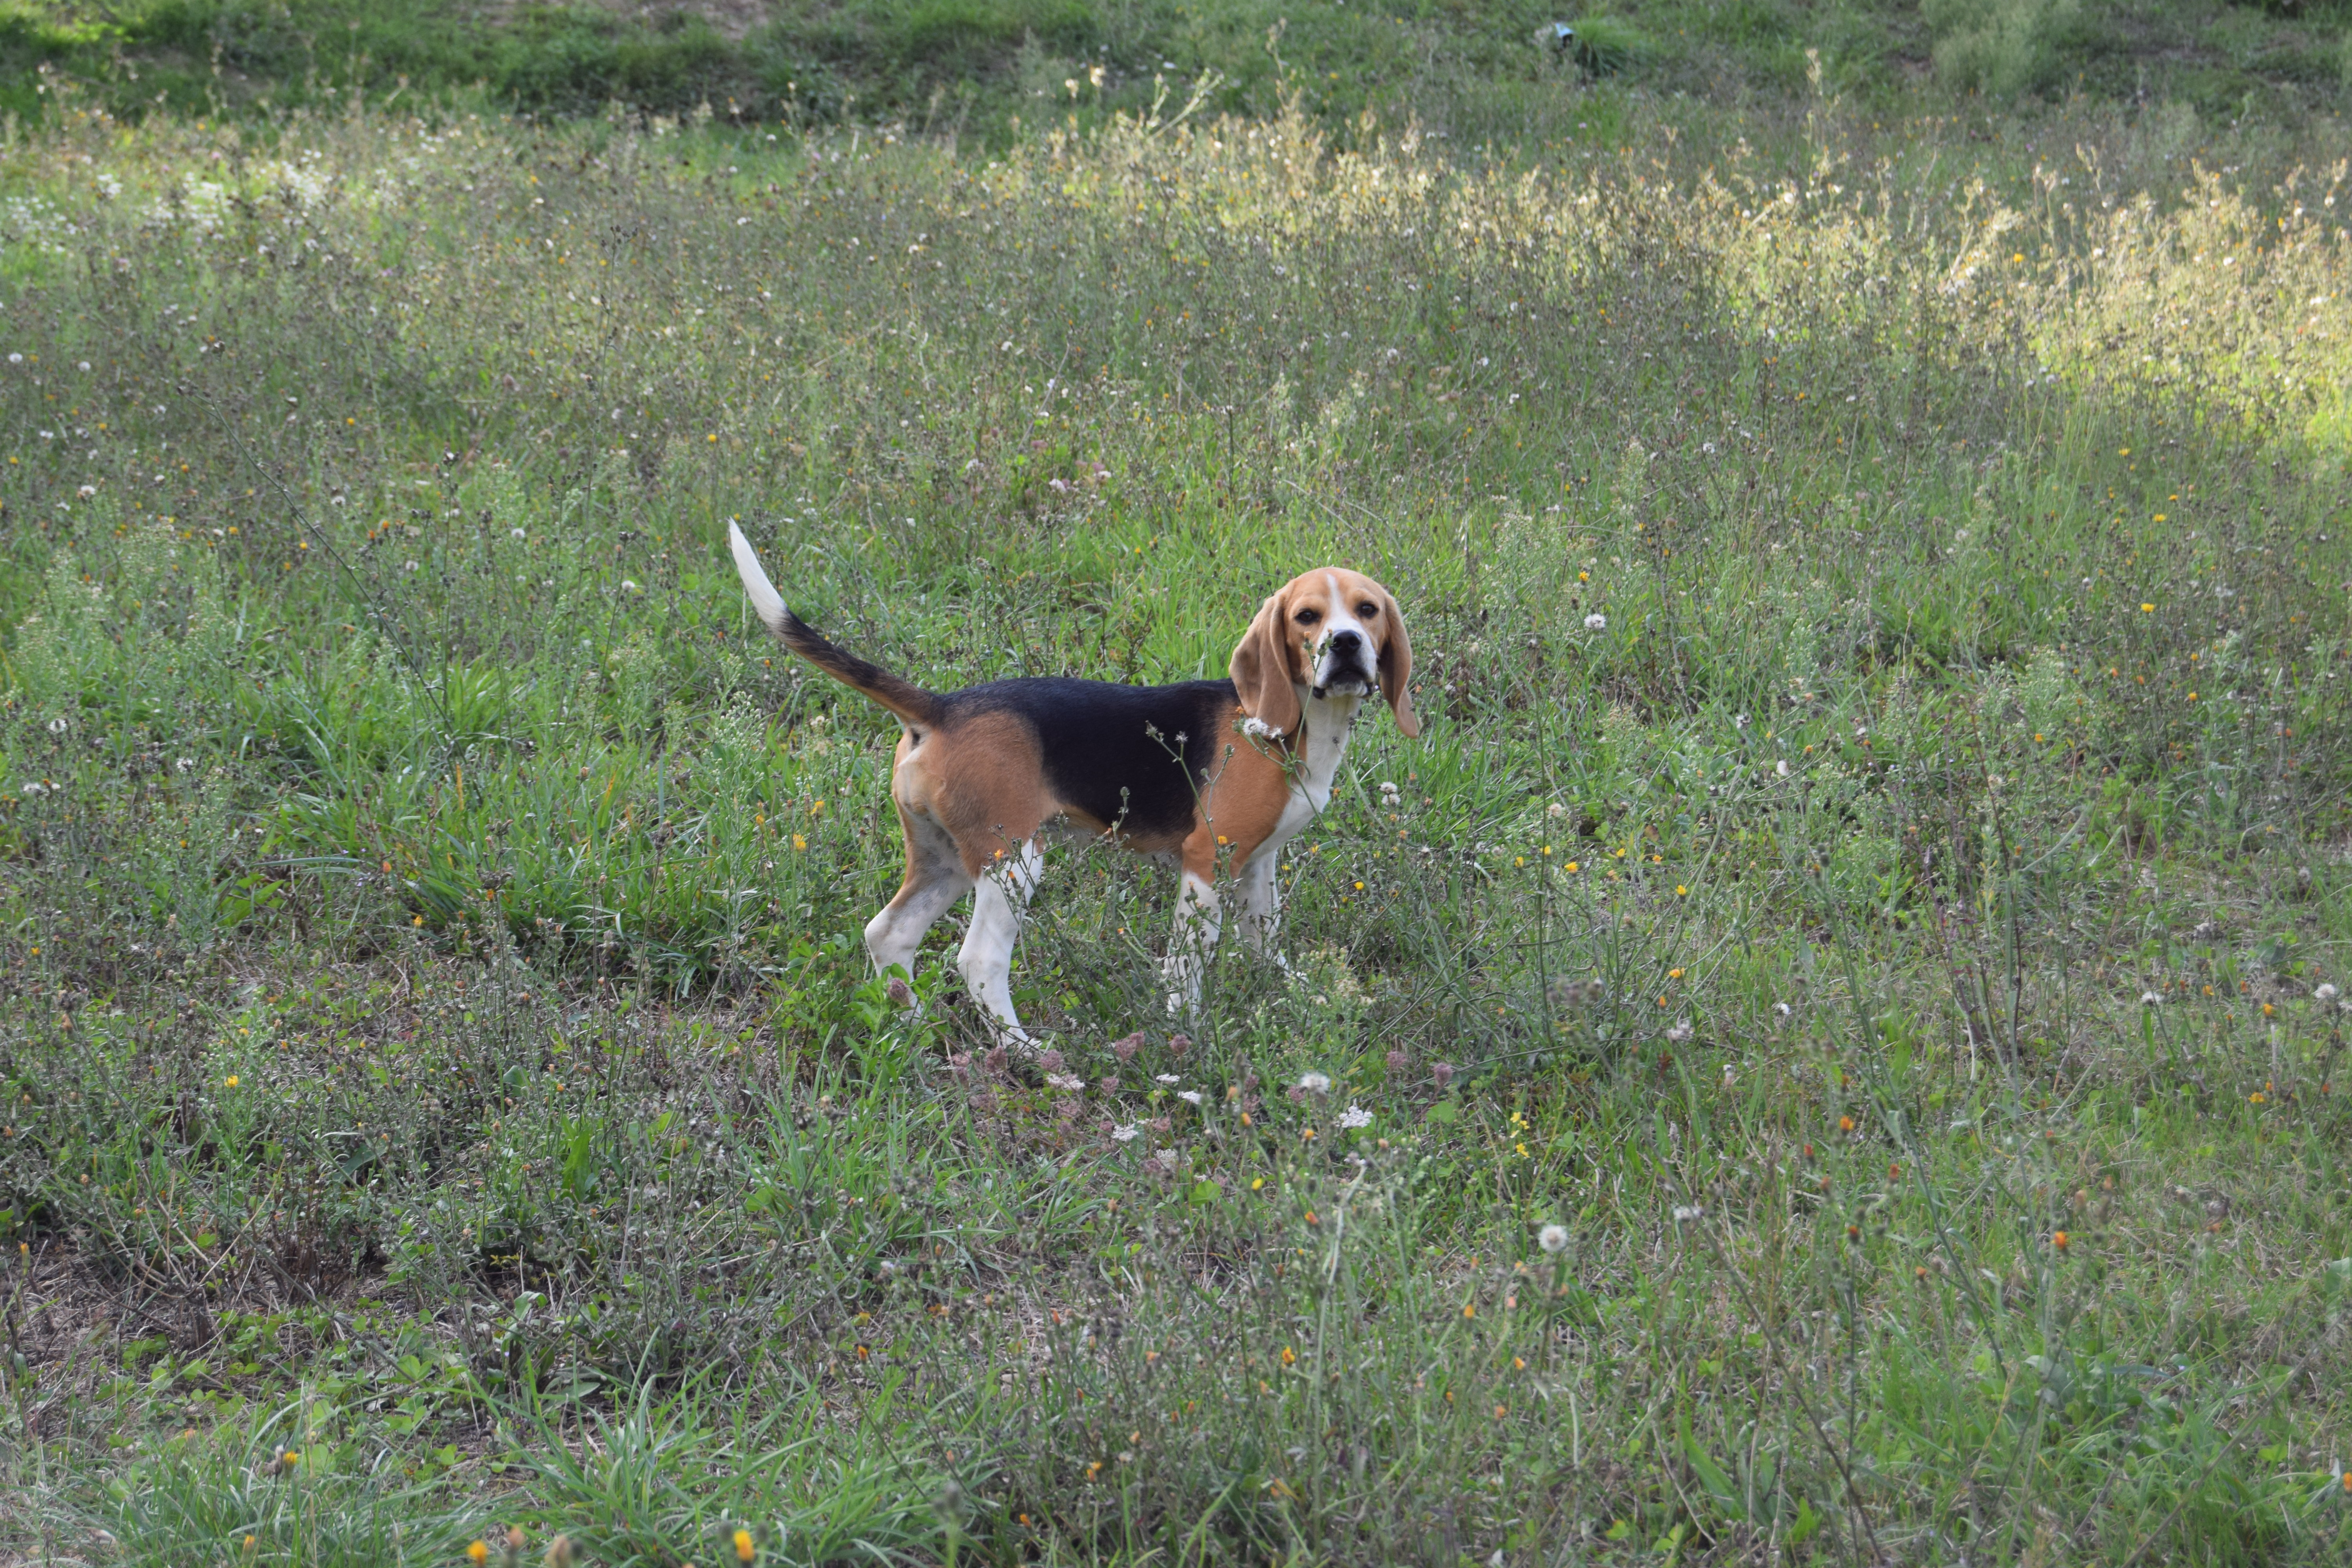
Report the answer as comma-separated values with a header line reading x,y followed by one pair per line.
x,y
1477,73
1881,620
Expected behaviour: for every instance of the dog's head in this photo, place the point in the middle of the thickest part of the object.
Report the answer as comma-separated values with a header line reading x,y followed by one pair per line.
x,y
1326,631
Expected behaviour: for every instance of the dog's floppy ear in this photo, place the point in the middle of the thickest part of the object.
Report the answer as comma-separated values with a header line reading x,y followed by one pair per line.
x,y
1261,671
1396,669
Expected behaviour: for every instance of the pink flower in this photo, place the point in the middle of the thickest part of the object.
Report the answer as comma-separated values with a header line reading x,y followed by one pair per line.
x,y
1049,1061
901,993
1442,1074
994,1060
1179,1044
1108,1083
1124,1049
1398,1062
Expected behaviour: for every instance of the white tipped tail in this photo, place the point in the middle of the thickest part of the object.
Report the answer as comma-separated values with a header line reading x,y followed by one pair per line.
x,y
764,597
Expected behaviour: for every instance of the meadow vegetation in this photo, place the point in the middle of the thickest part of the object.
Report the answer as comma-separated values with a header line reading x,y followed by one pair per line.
x,y
1827,1048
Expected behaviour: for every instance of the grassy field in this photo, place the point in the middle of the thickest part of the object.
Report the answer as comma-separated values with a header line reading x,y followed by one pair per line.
x,y
1478,70
1826,1050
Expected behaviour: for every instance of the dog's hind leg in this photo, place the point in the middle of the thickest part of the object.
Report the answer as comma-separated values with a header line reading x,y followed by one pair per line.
x,y
934,879
986,959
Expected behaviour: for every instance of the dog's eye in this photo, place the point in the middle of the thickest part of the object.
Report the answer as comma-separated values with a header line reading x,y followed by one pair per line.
x,y
1365,612
1309,618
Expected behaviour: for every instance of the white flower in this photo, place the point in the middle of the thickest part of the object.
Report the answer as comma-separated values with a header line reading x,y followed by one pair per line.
x,y
1355,1116
186,763
35,787
1783,1008
56,726
408,566
2324,994
514,533
1689,1212
84,365
1555,809
1314,1083
1068,1083
1189,1096
1681,1033
1167,1078
1552,1238
629,586
87,492
1596,621
1127,1134
1782,769
15,359
2150,999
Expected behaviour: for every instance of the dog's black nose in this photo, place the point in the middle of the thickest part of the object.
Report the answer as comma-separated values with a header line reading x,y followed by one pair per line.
x,y
1347,641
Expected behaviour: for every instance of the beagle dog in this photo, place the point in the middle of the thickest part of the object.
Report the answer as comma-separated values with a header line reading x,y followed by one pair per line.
x,y
1214,776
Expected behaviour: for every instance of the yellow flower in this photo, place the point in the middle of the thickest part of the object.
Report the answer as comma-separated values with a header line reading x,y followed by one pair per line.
x,y
230,1080
2147,609
1289,1356
1572,866
479,1551
799,841
744,1547
1681,891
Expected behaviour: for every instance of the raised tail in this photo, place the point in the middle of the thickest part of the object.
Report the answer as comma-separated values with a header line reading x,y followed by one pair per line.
x,y
919,709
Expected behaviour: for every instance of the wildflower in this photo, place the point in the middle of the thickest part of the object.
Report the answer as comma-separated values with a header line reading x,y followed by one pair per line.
x,y
1178,1043
479,1551
1126,1133
1781,767
515,533
1124,1049
2060,1241
1686,1212
1049,1061
2325,994
2150,999
1596,621
1355,1116
901,994
515,1539
1068,1083
1289,1356
230,1081
1189,1096
1845,1124
2147,609
1442,1074
1398,1062
1167,1078
799,841
1552,1238
1315,1082
1681,1033
1783,1008
745,1548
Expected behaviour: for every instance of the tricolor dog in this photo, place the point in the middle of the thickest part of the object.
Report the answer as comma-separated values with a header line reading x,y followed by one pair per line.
x,y
1214,776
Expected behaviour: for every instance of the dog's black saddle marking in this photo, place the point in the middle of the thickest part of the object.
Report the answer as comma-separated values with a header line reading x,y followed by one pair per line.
x,y
1135,756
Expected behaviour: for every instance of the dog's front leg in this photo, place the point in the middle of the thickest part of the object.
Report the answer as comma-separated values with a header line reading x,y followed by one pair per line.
x,y
1198,922
986,959
1262,906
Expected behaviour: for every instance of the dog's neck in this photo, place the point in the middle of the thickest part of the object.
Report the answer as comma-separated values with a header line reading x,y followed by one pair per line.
x,y
1321,742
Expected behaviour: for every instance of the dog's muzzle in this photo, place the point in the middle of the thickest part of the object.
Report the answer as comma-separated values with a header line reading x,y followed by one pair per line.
x,y
1345,668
